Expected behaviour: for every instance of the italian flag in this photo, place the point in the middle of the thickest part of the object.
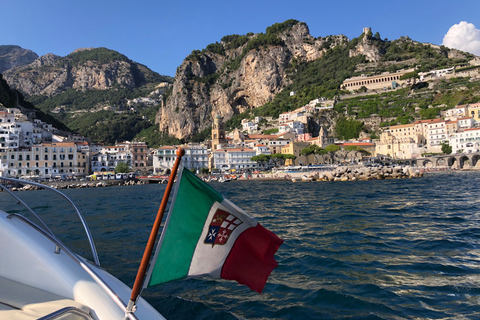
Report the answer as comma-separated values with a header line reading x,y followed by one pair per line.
x,y
205,234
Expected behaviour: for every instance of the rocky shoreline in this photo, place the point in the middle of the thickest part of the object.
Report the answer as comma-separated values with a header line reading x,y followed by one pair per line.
x,y
81,184
365,174
345,173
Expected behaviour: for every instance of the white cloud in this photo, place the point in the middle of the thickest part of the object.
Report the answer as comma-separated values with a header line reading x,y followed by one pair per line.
x,y
463,36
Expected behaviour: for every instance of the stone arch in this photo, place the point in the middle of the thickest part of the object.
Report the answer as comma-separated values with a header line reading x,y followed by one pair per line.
x,y
475,162
452,161
464,161
427,163
441,162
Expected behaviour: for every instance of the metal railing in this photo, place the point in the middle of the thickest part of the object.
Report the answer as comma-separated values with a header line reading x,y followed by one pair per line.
x,y
82,219
67,310
48,234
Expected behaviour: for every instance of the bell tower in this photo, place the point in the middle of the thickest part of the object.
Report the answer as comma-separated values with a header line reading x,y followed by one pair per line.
x,y
218,133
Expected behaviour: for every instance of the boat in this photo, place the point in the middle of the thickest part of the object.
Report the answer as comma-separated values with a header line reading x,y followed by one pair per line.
x,y
42,278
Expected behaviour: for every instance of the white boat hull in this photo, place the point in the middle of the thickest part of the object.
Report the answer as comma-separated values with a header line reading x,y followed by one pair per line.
x,y
29,258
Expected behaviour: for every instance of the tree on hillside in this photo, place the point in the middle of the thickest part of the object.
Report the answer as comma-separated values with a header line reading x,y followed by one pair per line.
x,y
122,167
446,148
313,149
261,159
280,158
332,148
348,128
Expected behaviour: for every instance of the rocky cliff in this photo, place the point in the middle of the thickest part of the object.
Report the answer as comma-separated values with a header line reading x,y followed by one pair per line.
x,y
83,69
15,56
240,73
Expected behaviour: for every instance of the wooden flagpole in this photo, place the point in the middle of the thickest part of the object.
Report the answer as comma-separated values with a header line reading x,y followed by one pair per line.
x,y
137,286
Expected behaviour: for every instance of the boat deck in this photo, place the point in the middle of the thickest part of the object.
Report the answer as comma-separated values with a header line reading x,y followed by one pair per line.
x,y
24,302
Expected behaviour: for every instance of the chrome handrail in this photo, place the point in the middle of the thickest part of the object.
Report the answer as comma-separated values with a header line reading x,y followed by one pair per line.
x,y
78,312
81,263
82,219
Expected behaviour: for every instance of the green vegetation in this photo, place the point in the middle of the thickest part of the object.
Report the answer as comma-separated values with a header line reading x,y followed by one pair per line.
x,y
281,27
202,136
100,55
101,126
107,126
426,57
271,131
313,149
310,84
122,167
403,104
332,148
446,148
278,158
89,99
348,128
234,41
261,158
154,138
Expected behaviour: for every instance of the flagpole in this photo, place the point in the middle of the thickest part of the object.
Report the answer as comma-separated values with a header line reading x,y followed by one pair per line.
x,y
137,286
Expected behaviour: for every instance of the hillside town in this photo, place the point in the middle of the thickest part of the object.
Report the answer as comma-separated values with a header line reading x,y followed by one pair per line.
x,y
36,149
33,148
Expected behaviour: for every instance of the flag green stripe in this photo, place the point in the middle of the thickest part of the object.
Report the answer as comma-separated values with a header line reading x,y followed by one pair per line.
x,y
192,205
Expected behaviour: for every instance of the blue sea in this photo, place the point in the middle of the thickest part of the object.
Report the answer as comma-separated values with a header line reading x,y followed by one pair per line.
x,y
384,249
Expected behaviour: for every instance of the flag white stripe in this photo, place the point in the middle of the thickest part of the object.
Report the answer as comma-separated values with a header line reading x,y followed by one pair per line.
x,y
208,259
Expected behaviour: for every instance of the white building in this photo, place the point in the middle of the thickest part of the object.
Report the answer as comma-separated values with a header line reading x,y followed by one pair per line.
x,y
164,158
467,141
436,135
296,127
459,111
249,126
261,149
466,123
284,117
196,157
234,159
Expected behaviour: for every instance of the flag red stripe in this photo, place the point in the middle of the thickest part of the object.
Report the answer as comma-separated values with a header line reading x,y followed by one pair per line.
x,y
251,259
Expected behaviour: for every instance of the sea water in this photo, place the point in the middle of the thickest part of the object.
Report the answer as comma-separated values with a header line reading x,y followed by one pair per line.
x,y
384,249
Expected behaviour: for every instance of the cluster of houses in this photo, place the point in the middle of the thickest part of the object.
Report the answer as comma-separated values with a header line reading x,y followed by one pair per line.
x,y
459,128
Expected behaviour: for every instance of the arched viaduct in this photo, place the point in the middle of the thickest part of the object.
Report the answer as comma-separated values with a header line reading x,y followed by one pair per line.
x,y
456,161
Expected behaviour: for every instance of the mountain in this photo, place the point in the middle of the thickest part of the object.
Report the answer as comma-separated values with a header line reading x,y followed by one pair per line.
x,y
83,69
15,56
238,74
97,92
255,73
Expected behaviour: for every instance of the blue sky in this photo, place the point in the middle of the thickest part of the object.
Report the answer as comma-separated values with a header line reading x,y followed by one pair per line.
x,y
161,34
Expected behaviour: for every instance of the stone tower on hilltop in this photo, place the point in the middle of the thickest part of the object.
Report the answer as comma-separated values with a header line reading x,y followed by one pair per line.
x,y
218,132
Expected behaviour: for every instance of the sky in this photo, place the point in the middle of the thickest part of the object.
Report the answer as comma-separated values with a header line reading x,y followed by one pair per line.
x,y
160,34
